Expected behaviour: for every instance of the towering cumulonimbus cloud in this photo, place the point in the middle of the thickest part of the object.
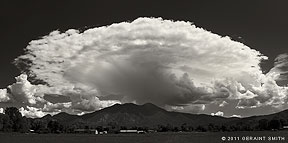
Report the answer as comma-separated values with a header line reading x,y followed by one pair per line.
x,y
169,63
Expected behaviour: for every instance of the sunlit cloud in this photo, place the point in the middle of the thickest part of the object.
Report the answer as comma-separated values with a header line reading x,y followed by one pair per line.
x,y
173,64
219,113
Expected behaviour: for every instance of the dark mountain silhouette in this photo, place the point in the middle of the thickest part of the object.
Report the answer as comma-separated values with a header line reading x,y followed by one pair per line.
x,y
129,114
150,115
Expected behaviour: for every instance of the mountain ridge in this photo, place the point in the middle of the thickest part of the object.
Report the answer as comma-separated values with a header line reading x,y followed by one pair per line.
x,y
150,115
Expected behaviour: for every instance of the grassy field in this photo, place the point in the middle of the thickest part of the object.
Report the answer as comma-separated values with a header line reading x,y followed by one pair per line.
x,y
194,137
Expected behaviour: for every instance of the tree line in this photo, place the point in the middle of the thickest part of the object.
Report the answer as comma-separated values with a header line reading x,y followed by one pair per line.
x,y
13,121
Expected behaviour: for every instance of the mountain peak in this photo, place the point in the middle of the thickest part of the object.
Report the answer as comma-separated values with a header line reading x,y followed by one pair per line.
x,y
48,116
131,108
148,104
151,106
148,107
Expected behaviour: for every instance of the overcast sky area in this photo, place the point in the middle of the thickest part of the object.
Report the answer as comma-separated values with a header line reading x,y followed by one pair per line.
x,y
222,58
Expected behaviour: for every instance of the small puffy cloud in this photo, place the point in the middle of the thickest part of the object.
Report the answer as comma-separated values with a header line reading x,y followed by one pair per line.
x,y
1,110
224,103
87,100
57,107
237,116
91,104
23,91
219,113
179,108
4,96
31,112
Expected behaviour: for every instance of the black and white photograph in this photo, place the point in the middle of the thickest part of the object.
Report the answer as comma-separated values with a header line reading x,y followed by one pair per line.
x,y
187,71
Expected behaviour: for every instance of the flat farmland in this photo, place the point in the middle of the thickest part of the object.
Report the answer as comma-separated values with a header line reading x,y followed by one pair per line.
x,y
193,137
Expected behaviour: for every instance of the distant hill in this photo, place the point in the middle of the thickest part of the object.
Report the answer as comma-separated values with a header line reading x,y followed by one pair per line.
x,y
142,117
150,115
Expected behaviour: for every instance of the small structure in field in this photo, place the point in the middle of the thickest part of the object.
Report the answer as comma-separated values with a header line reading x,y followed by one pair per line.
x,y
102,132
132,131
285,128
128,131
86,131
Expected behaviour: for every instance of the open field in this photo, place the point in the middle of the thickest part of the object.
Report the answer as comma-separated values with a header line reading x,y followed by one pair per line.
x,y
193,137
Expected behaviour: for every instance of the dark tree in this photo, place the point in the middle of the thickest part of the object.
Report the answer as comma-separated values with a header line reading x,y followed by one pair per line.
x,y
201,129
234,128
275,124
162,128
263,124
211,127
223,128
19,124
113,125
24,125
100,128
184,127
54,126
39,125
5,123
175,129
283,122
190,128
